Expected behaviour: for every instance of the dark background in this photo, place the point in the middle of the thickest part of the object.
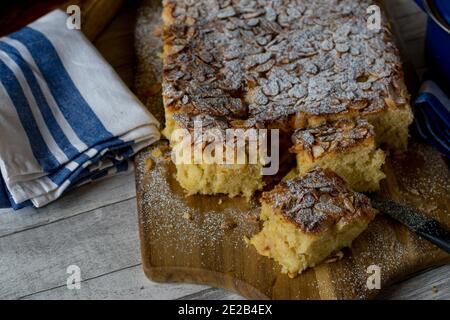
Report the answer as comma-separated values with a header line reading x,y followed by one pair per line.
x,y
14,14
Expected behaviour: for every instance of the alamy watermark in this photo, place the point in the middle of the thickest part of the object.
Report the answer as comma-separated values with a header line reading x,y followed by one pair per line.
x,y
74,19
74,278
374,280
374,19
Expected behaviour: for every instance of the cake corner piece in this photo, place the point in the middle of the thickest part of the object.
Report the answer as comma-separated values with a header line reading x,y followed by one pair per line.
x,y
347,147
308,218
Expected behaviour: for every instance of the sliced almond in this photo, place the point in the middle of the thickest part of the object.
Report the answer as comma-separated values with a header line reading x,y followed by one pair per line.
x,y
317,151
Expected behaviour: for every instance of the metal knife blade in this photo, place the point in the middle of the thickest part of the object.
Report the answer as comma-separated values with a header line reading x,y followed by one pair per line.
x,y
414,220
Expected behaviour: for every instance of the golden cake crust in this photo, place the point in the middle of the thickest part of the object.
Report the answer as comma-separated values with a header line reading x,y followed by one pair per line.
x,y
318,200
256,63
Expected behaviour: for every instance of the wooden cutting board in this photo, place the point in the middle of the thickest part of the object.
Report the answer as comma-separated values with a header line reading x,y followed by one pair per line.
x,y
200,239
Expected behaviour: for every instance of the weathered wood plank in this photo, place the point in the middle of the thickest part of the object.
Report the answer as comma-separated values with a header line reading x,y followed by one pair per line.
x,y
99,242
433,284
129,283
430,284
85,198
416,48
409,29
402,8
212,294
117,44
412,27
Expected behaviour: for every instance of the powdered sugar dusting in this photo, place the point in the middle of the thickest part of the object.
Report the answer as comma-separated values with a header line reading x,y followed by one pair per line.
x,y
182,215
331,137
318,200
263,61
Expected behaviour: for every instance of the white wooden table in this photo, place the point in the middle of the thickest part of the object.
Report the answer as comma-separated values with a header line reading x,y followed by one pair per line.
x,y
95,227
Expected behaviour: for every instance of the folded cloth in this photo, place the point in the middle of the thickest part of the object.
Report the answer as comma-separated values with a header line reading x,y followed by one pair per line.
x,y
432,116
66,118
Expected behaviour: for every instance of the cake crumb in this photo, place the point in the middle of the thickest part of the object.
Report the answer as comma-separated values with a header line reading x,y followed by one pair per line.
x,y
157,152
252,218
335,257
228,224
430,208
220,201
148,164
187,216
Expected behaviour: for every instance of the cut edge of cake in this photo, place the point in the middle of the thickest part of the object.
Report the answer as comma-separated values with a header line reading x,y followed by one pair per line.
x,y
308,218
347,147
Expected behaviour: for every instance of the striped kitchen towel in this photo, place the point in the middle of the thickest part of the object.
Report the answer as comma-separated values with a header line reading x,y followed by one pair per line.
x,y
432,116
66,118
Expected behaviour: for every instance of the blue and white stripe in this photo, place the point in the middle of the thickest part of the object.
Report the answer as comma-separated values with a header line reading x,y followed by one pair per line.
x,y
432,116
66,118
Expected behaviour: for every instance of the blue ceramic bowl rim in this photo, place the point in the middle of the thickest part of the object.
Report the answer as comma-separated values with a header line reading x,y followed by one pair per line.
x,y
433,16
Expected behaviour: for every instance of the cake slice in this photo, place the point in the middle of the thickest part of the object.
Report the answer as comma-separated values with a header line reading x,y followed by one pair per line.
x,y
347,147
308,218
200,170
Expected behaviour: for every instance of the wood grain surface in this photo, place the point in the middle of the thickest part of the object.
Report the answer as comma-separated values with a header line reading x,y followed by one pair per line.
x,y
185,239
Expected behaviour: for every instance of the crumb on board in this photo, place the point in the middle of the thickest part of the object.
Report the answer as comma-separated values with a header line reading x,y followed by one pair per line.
x,y
148,164
158,31
156,152
252,218
335,257
187,216
159,151
228,224
434,289
414,191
